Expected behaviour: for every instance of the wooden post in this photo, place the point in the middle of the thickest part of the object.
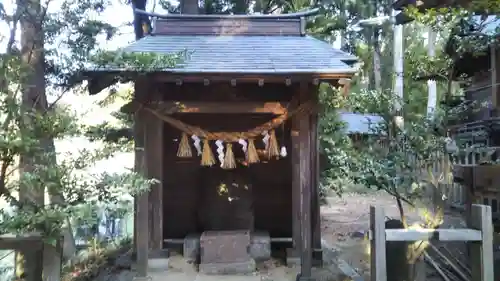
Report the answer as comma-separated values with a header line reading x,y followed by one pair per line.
x,y
378,266
142,206
481,254
305,190
295,159
52,262
493,66
154,157
315,173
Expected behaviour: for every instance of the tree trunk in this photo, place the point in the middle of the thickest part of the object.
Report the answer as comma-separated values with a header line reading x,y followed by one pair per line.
x,y
34,99
189,7
376,60
55,197
432,98
33,96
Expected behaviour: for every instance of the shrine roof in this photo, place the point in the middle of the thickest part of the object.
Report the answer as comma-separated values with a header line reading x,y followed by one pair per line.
x,y
360,123
248,54
226,45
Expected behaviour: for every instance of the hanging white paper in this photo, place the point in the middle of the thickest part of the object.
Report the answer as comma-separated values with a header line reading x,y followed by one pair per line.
x,y
220,151
266,137
283,151
196,143
244,144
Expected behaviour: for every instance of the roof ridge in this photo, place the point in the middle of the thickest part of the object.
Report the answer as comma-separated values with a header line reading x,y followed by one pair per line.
x,y
297,15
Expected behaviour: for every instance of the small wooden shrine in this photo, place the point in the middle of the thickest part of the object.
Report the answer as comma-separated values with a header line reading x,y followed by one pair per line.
x,y
231,132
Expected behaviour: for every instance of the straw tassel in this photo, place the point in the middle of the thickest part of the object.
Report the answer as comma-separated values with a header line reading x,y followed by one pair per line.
x,y
252,156
184,150
272,147
229,162
207,157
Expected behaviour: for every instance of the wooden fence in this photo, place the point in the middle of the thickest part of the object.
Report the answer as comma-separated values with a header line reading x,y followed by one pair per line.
x,y
33,245
479,233
455,193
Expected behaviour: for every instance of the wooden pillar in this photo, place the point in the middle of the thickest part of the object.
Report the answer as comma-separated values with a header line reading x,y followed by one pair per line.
x,y
52,261
154,158
142,200
295,154
305,188
481,254
378,265
315,173
494,76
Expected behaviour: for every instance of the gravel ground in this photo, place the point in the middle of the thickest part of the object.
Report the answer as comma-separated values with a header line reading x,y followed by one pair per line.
x,y
346,219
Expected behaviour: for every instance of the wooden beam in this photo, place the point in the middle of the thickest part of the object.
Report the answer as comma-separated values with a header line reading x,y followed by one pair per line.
x,y
224,107
249,78
170,107
455,234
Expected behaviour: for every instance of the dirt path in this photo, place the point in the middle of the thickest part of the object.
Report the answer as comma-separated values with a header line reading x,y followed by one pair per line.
x,y
345,221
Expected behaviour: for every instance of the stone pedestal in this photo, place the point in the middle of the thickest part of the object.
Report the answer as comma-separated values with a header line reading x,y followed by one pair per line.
x,y
317,256
260,246
147,278
226,252
292,257
191,248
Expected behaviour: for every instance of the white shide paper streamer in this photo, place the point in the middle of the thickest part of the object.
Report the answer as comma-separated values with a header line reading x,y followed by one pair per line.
x,y
244,145
196,143
283,151
220,151
266,137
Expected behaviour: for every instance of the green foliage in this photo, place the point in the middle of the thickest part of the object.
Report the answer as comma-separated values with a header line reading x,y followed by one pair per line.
x,y
30,166
136,62
97,260
336,146
120,132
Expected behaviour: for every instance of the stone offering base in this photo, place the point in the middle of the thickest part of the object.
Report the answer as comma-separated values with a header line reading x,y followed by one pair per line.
x,y
226,252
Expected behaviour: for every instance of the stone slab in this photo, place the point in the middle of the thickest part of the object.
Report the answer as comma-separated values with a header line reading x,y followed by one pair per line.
x,y
203,277
242,268
147,278
225,247
292,257
317,257
158,265
260,246
191,247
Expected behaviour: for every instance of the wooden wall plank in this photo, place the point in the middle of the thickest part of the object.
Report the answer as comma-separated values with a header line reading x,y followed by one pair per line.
x,y
236,27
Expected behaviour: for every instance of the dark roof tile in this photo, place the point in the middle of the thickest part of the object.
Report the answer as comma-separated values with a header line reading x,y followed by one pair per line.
x,y
249,54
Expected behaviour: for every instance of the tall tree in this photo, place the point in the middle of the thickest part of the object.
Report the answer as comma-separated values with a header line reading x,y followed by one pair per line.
x,y
34,102
30,70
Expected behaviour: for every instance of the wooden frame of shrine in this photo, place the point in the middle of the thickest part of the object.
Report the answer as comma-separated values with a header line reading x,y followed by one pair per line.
x,y
244,106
